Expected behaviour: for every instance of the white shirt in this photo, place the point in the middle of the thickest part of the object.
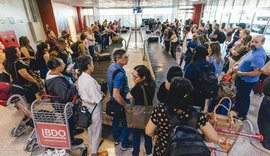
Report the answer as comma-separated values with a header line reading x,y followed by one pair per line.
x,y
89,89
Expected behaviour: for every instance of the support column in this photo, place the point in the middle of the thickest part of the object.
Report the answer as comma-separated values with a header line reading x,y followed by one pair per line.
x,y
197,13
47,15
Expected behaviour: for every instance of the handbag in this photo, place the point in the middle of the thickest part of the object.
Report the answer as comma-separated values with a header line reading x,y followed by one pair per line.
x,y
138,115
226,122
85,117
113,108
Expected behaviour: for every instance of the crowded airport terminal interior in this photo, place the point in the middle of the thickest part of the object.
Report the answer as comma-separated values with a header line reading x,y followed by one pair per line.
x,y
135,77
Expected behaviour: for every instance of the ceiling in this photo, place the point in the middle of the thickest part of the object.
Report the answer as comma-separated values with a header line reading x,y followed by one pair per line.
x,y
128,3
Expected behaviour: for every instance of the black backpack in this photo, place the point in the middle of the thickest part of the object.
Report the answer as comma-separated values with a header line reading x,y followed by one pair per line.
x,y
76,50
221,37
208,82
184,138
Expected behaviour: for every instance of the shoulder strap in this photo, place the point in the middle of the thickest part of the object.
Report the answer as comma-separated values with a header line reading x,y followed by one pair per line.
x,y
113,77
94,108
16,72
197,68
144,96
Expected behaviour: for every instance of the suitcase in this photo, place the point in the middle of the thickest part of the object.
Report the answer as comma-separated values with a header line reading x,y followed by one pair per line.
x,y
148,32
103,56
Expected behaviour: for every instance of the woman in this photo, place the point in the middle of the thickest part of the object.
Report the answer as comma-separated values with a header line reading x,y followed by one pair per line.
x,y
174,42
91,98
20,74
240,50
263,116
174,71
191,73
142,78
214,57
91,39
190,46
28,53
29,57
43,58
57,85
178,103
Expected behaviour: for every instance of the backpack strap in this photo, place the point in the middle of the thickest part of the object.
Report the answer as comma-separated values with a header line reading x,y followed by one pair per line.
x,y
113,77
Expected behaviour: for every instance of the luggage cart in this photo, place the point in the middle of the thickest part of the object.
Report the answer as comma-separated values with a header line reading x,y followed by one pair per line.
x,y
51,125
231,138
26,124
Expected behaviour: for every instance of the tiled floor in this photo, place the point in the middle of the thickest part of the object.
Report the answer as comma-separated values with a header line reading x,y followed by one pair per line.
x,y
12,146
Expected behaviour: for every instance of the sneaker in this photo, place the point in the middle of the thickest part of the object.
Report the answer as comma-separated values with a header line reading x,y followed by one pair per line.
x,y
76,142
116,142
78,131
125,148
148,154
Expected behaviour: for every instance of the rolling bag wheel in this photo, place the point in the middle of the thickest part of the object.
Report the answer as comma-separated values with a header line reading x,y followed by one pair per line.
x,y
31,145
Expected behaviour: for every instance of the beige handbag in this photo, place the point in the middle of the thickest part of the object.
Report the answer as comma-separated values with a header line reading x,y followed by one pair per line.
x,y
138,115
222,121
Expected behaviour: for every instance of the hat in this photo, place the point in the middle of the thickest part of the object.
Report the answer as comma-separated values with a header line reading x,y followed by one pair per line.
x,y
242,25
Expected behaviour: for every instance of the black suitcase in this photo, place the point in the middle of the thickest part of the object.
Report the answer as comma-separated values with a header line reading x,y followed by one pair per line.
x,y
103,57
153,39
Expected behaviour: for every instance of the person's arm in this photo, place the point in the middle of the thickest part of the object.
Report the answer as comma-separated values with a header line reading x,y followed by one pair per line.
x,y
129,96
23,72
209,133
255,72
266,69
46,57
26,53
117,96
150,128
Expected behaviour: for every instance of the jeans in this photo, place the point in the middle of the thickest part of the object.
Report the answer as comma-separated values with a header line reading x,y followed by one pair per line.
x,y
167,46
243,96
173,49
120,134
136,140
92,51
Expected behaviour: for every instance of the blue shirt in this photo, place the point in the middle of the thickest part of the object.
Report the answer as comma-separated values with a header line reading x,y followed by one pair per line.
x,y
120,81
218,67
253,59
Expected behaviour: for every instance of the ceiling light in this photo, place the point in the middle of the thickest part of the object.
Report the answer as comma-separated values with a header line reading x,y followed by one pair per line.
x,y
88,2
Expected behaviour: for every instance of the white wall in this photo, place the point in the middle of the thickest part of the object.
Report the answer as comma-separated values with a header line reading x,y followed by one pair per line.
x,y
15,9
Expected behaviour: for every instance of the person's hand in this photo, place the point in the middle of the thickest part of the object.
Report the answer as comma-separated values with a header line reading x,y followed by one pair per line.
x,y
154,138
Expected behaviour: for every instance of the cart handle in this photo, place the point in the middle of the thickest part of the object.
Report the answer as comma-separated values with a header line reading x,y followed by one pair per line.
x,y
257,136
54,97
43,96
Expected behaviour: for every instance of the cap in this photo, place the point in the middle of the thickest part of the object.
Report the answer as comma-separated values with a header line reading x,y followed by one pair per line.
x,y
242,25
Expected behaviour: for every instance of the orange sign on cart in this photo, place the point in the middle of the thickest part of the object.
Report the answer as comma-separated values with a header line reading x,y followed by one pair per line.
x,y
53,135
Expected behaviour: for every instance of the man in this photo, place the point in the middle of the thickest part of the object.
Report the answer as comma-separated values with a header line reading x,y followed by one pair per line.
x,y
167,36
118,91
248,73
236,35
216,35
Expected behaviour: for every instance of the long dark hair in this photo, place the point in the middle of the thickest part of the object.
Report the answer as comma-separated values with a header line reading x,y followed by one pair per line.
x,y
200,54
143,71
11,58
24,42
179,95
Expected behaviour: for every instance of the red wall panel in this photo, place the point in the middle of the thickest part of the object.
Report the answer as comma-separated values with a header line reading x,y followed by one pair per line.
x,y
8,38
197,13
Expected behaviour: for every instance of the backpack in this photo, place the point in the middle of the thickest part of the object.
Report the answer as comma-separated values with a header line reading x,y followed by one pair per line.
x,y
184,139
170,33
221,37
208,82
76,50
